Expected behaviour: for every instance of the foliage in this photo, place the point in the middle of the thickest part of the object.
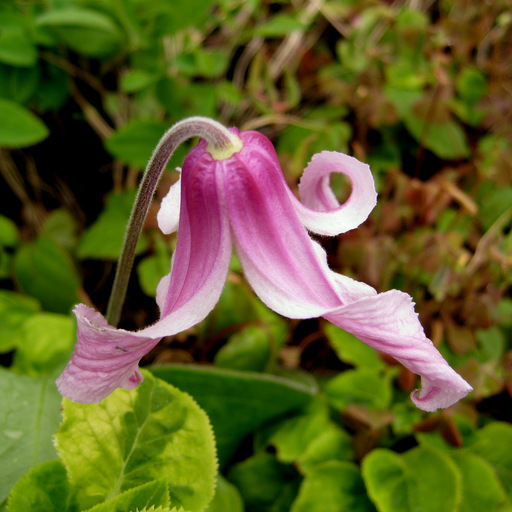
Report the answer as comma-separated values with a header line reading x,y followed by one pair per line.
x,y
305,416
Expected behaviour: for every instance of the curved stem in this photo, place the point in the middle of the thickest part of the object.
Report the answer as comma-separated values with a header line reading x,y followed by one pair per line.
x,y
219,139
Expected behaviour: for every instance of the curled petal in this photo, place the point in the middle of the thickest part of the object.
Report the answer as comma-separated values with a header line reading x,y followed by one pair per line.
x,y
104,359
320,211
168,216
388,323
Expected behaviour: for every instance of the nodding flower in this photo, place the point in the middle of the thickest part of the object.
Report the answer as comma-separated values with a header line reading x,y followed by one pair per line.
x,y
234,195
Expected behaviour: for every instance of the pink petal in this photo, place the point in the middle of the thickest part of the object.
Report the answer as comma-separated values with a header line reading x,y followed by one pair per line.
x,y
320,211
388,323
104,359
274,248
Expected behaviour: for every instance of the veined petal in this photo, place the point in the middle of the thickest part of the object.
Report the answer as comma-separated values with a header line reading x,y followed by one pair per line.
x,y
274,248
104,359
320,211
168,216
388,323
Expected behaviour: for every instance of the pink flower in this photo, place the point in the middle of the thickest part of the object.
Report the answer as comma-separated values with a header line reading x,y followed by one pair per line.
x,y
241,199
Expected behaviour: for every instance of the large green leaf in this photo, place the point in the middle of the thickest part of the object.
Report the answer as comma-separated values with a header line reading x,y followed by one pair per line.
x,y
147,495
265,483
134,437
236,402
420,480
226,499
16,45
19,127
104,238
45,488
481,490
333,486
310,438
15,310
29,416
494,444
88,32
134,143
47,340
46,271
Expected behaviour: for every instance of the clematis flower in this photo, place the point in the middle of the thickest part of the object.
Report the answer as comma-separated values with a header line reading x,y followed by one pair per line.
x,y
237,197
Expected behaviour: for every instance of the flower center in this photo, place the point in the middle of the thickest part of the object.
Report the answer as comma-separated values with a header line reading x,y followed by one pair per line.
x,y
225,152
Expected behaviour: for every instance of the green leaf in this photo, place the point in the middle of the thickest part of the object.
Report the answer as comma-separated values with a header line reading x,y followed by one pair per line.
x,y
471,84
493,205
333,486
61,226
134,143
278,26
8,232
226,499
351,350
359,387
15,310
152,494
19,127
133,437
310,438
249,349
104,238
44,488
151,269
16,45
447,140
494,444
87,32
18,84
137,80
481,490
45,271
48,339
171,16
263,482
405,483
29,416
236,402
17,50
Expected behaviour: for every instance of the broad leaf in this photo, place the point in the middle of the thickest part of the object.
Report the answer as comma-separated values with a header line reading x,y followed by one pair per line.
x,y
15,310
152,494
46,271
29,416
405,483
133,437
494,444
226,499
104,238
335,487
45,488
481,490
88,32
19,127
134,143
236,402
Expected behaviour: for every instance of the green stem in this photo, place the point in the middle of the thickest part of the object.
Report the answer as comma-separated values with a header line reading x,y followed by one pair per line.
x,y
219,139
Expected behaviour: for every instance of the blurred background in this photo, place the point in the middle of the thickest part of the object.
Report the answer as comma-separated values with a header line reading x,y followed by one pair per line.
x,y
419,89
